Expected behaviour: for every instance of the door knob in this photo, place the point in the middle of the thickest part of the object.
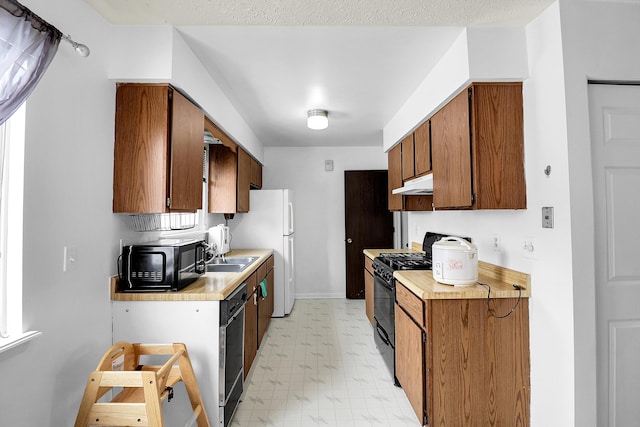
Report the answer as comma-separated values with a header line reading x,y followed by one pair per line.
x,y
349,240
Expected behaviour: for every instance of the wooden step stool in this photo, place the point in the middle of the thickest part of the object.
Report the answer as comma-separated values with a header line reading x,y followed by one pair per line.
x,y
143,388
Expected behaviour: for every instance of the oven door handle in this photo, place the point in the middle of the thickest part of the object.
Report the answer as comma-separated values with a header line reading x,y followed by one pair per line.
x,y
382,334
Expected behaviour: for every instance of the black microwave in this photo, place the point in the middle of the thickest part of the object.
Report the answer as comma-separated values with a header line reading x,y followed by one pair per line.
x,y
163,265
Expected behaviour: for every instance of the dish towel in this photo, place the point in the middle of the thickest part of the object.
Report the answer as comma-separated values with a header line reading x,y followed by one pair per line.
x,y
263,288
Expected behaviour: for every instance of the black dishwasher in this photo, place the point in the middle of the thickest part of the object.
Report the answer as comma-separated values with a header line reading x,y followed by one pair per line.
x,y
231,378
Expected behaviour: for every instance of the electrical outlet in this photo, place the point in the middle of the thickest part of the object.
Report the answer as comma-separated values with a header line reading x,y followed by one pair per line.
x,y
496,243
529,247
70,258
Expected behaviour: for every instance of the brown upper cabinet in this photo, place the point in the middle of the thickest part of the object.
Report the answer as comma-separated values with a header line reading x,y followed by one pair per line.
x,y
394,158
402,166
256,174
478,149
157,150
422,149
244,180
416,152
408,158
228,179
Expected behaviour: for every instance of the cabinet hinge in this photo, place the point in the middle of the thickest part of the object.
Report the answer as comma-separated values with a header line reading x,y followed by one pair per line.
x,y
426,420
168,202
473,198
424,336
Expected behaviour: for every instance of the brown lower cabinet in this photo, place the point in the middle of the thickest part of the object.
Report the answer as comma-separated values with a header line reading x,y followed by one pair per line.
x,y
258,311
368,288
460,366
250,324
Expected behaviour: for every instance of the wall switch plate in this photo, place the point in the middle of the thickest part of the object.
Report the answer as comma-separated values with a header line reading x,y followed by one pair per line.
x,y
529,247
547,217
328,165
70,257
495,243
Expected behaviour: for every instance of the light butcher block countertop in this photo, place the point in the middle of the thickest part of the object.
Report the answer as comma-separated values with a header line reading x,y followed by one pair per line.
x,y
209,287
423,285
500,279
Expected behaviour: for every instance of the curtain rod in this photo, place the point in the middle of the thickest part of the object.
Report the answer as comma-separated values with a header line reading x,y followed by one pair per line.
x,y
17,9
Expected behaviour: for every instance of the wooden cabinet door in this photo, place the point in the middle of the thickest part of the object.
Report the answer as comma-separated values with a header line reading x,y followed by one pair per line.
x,y
498,146
395,177
223,166
265,308
256,174
250,325
141,147
270,298
187,141
451,151
244,178
408,158
368,288
410,366
422,148
157,151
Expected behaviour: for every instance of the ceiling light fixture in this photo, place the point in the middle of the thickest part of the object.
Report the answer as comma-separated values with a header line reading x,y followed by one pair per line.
x,y
317,119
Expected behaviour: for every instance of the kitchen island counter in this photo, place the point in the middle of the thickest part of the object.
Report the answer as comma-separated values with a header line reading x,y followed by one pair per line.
x,y
209,287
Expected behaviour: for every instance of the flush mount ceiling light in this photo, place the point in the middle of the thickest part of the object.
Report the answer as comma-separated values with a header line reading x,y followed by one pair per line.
x,y
317,119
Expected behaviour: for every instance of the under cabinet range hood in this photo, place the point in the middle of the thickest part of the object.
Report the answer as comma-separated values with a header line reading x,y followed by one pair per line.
x,y
420,186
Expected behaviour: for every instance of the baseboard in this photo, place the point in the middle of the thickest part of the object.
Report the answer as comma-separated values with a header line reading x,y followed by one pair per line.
x,y
321,296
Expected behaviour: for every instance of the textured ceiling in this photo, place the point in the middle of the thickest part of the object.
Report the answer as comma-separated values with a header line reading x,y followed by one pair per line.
x,y
358,59
321,12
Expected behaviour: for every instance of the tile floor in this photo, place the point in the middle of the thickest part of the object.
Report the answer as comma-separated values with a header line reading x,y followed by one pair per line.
x,y
320,367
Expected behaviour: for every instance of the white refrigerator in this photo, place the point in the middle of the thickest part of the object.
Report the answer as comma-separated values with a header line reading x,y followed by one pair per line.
x,y
269,224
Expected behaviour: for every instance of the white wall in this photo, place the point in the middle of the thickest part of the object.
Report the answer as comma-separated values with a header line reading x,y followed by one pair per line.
x,y
319,198
68,187
600,41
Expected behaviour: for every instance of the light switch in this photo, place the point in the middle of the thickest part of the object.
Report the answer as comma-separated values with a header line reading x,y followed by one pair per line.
x,y
547,217
328,165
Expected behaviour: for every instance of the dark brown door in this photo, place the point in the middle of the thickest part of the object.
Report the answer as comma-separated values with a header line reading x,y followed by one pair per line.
x,y
368,222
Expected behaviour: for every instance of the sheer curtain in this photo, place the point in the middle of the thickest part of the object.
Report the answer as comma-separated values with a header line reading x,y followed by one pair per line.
x,y
27,46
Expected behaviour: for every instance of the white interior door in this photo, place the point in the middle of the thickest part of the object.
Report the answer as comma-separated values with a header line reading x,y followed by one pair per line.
x,y
615,141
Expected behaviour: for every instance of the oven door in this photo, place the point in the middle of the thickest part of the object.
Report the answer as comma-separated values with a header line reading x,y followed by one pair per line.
x,y
383,308
384,333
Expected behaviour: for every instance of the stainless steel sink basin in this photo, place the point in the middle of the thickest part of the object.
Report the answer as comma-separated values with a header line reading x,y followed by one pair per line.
x,y
229,265
241,260
225,268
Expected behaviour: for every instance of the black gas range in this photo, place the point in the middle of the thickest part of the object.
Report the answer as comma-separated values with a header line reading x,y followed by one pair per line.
x,y
386,263
384,293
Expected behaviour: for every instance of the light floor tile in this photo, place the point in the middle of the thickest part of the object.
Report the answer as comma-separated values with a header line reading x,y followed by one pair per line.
x,y
319,367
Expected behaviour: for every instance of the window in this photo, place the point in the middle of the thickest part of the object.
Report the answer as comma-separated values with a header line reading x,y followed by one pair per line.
x,y
12,137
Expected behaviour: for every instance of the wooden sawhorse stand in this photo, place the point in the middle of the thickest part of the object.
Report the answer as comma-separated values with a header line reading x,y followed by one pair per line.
x,y
139,403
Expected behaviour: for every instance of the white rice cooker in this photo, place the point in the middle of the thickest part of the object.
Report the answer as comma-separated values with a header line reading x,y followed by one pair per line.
x,y
455,262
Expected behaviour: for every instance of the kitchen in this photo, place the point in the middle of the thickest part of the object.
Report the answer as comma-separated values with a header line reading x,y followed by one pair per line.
x,y
68,189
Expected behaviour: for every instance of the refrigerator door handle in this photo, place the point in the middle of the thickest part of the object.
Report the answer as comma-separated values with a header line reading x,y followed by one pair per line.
x,y
291,229
291,259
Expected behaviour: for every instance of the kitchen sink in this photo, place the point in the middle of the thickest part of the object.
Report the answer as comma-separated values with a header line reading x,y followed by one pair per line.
x,y
242,260
229,265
